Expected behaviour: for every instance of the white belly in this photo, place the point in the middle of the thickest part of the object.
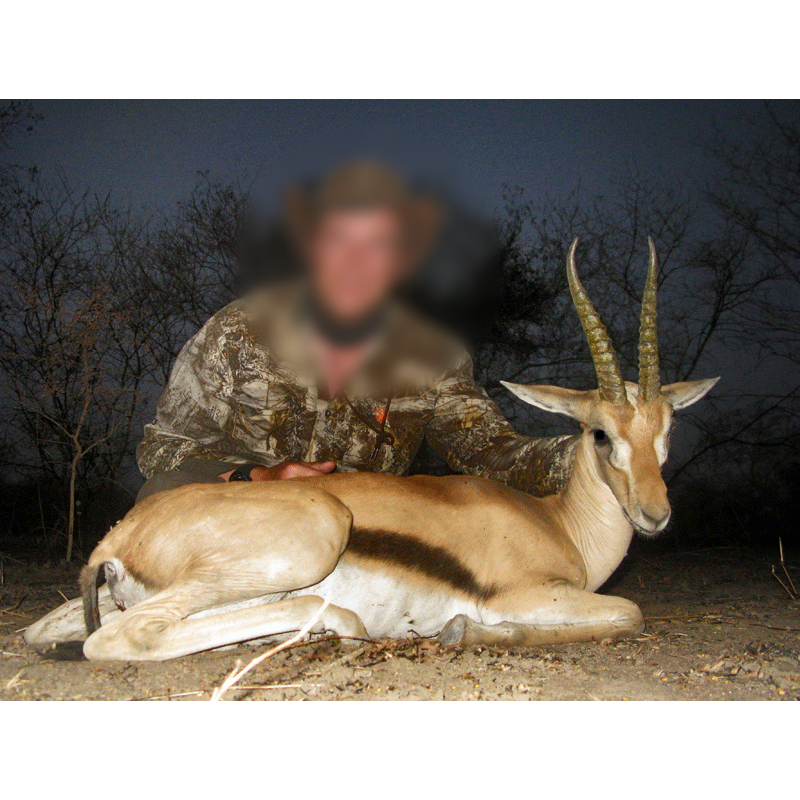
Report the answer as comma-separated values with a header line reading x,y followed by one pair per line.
x,y
389,608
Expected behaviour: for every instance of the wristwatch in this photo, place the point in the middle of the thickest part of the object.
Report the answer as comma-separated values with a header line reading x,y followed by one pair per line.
x,y
242,473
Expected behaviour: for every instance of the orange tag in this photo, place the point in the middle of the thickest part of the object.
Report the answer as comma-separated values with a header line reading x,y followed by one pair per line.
x,y
381,414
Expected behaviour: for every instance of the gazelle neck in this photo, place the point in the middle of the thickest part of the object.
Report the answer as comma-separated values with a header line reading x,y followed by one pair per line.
x,y
593,518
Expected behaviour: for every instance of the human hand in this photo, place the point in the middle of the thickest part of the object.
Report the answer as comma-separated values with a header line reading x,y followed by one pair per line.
x,y
292,469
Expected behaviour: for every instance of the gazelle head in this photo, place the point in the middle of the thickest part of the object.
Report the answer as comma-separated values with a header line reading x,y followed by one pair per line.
x,y
626,425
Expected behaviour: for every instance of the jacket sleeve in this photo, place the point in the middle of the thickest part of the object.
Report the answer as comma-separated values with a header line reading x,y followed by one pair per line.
x,y
194,410
468,430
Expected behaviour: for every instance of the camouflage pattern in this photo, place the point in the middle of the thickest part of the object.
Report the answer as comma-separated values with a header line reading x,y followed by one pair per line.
x,y
244,390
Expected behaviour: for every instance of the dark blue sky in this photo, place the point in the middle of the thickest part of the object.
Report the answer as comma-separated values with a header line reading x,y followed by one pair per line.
x,y
150,150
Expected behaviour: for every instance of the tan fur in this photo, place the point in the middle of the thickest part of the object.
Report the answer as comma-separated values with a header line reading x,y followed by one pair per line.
x,y
192,531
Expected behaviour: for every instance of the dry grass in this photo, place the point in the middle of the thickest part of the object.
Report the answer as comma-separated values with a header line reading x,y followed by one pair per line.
x,y
793,591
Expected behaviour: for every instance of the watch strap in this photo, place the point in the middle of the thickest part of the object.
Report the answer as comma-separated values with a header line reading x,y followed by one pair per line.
x,y
242,473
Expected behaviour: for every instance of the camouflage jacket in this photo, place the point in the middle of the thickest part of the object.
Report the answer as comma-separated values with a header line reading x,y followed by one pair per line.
x,y
244,390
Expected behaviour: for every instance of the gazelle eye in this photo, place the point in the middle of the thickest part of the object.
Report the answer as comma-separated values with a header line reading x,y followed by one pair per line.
x,y
600,437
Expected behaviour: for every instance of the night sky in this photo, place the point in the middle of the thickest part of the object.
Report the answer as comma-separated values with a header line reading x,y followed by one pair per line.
x,y
150,150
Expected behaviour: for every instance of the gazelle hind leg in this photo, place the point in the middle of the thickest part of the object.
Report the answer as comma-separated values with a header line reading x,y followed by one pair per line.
x,y
154,631
61,633
582,617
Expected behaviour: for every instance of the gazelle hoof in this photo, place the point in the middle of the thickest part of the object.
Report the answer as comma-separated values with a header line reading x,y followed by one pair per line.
x,y
61,651
453,632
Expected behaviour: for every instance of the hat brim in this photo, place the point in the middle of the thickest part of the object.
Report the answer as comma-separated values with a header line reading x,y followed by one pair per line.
x,y
421,218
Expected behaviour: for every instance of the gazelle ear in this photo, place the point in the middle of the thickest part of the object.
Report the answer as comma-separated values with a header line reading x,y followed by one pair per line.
x,y
681,395
573,403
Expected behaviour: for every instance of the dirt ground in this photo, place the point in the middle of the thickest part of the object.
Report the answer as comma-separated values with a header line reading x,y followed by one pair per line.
x,y
719,627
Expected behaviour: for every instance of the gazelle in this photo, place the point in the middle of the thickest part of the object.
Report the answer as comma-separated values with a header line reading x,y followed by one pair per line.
x,y
464,558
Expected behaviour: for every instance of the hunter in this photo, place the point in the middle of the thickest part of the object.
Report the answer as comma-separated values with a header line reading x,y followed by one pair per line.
x,y
331,371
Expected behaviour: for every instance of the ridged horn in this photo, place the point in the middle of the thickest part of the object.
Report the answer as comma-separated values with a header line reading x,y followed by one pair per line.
x,y
649,379
609,375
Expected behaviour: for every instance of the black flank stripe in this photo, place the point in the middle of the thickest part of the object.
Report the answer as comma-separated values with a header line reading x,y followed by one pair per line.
x,y
414,554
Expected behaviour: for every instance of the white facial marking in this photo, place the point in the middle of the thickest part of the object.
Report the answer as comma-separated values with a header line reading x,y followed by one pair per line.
x,y
621,454
662,440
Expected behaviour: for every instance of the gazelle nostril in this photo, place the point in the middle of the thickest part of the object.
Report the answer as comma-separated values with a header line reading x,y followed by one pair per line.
x,y
659,522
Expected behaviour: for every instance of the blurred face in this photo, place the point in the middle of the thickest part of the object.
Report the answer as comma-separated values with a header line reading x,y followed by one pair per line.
x,y
355,260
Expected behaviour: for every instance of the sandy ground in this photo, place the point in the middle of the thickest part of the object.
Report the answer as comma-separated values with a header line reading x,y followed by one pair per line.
x,y
719,627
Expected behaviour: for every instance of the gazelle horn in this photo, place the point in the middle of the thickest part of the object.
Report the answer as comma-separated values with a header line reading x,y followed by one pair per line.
x,y
649,379
609,375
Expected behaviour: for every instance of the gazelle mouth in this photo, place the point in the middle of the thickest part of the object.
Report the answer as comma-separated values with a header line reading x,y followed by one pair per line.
x,y
650,532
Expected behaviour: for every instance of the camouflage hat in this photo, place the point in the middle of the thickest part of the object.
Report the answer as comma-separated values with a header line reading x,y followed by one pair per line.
x,y
367,184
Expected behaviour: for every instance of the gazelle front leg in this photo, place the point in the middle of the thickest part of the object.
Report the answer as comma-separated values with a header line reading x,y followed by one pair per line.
x,y
562,615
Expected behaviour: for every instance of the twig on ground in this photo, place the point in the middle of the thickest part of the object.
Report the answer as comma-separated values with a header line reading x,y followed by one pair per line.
x,y
236,675
788,590
786,571
16,680
718,618
66,599
274,686
772,627
759,625
170,696
241,688
11,609
345,659
332,637
683,616
791,592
